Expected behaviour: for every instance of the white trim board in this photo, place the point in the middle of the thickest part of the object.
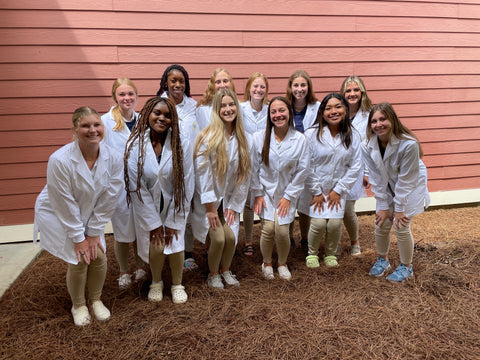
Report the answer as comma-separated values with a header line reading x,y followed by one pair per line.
x,y
22,233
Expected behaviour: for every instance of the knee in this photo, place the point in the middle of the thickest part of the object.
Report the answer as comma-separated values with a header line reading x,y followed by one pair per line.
x,y
318,225
156,251
334,224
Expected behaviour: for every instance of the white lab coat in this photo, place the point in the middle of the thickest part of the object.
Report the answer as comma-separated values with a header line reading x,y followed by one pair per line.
x,y
359,123
122,219
209,190
76,201
253,123
285,177
187,119
203,113
332,167
157,180
310,115
402,168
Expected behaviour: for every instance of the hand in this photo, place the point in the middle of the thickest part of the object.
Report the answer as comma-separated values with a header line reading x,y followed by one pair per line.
x,y
157,237
212,216
83,251
381,216
283,207
93,243
400,219
334,201
169,234
230,216
318,202
366,183
259,204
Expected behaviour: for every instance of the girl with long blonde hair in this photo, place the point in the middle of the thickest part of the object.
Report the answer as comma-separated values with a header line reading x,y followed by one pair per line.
x,y
222,175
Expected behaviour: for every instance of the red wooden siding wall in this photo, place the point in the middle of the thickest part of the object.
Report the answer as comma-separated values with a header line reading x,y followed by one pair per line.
x,y
423,56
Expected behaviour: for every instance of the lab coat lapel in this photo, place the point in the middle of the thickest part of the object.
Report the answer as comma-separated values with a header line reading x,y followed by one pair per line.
x,y
82,169
377,157
166,151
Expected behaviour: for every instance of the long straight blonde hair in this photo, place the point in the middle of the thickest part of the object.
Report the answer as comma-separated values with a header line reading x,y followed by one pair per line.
x,y
214,136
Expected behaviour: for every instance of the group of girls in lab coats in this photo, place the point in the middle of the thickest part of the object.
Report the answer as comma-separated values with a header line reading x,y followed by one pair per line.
x,y
190,170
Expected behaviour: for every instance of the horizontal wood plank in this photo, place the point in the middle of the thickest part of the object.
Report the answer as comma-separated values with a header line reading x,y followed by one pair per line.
x,y
22,186
202,71
16,217
127,37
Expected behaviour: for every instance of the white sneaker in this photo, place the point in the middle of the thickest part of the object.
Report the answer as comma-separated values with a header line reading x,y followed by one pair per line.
x,y
100,311
355,250
140,274
284,273
179,296
156,292
215,281
124,281
81,316
267,272
230,279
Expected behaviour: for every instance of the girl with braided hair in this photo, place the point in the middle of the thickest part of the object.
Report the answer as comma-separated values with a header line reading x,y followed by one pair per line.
x,y
159,183
175,84
222,175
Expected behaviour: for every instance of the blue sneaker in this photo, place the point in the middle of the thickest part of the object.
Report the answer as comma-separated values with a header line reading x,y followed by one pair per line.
x,y
379,268
401,273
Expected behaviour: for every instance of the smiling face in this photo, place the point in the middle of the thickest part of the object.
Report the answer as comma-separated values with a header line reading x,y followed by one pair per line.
x,y
353,94
334,113
258,89
279,114
381,126
228,110
126,98
176,85
299,88
160,118
90,130
222,81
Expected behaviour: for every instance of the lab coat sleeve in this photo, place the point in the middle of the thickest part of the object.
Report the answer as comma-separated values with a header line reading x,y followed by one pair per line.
x,y
204,177
240,191
177,219
108,200
379,186
408,173
146,214
60,195
346,182
296,186
256,187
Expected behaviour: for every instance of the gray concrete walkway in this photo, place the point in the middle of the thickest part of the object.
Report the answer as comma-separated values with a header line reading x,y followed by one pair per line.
x,y
14,258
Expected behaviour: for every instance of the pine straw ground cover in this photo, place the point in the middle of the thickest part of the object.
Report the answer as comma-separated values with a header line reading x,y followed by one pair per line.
x,y
338,313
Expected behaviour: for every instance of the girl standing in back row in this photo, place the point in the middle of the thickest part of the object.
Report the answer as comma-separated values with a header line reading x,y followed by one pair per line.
x,y
359,105
254,113
119,122
220,79
305,107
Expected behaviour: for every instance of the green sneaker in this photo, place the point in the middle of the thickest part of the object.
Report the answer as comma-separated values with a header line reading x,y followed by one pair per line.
x,y
312,261
330,261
